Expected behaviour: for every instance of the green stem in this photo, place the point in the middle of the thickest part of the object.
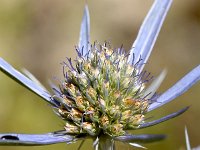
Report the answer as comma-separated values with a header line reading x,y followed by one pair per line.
x,y
105,142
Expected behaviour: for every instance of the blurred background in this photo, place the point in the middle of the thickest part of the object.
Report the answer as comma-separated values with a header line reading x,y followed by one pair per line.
x,y
38,35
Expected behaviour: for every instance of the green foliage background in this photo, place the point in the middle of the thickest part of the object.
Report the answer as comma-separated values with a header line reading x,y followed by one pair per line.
x,y
38,35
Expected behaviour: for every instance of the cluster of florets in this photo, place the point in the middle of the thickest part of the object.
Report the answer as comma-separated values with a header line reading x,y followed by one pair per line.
x,y
102,93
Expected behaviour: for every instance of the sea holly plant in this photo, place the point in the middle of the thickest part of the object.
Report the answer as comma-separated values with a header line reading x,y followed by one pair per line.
x,y
103,95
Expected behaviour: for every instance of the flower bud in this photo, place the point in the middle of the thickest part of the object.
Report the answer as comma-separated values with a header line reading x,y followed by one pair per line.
x,y
89,127
136,120
102,104
92,93
114,111
68,102
95,72
71,128
63,113
117,129
126,115
117,94
129,69
81,103
128,102
87,66
71,89
75,115
92,114
104,121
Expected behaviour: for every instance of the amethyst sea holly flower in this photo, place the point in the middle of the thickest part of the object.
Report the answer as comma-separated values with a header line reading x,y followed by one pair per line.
x,y
104,95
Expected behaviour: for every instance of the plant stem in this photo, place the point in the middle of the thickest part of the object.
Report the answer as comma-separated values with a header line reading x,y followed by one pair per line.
x,y
105,142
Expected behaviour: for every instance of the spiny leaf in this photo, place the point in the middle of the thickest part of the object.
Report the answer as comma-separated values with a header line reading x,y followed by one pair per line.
x,y
9,139
84,37
148,32
177,89
163,119
23,80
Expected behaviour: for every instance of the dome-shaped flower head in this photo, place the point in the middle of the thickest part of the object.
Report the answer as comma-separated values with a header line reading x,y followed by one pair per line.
x,y
104,91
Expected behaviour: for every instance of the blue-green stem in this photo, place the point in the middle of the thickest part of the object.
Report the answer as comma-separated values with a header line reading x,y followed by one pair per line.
x,y
105,142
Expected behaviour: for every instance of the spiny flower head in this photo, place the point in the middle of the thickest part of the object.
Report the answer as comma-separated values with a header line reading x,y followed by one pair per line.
x,y
102,92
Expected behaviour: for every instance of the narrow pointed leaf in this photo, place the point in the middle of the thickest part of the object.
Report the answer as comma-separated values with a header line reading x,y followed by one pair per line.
x,y
148,32
142,138
84,37
177,89
33,139
163,119
23,80
187,140
137,145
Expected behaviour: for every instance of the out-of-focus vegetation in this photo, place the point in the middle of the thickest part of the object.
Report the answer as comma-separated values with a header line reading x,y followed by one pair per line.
x,y
38,35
